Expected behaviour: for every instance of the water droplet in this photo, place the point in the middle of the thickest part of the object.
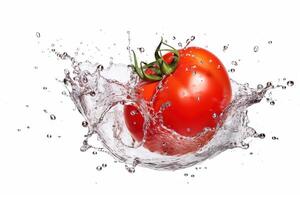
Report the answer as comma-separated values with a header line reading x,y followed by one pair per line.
x,y
141,49
272,103
45,88
186,174
84,79
45,111
18,129
261,135
255,48
290,83
269,84
38,34
98,168
235,63
283,87
133,112
28,127
27,106
251,153
232,70
174,38
274,138
52,117
166,105
214,115
130,169
35,67
245,145
270,42
193,38
92,93
260,86
193,175
225,47
104,165
179,44
198,98
100,67
49,136
219,67
84,123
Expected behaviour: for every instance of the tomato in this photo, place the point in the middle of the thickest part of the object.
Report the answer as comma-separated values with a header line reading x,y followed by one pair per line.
x,y
189,101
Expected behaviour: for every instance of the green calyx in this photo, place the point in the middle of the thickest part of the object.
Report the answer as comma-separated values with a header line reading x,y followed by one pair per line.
x,y
159,68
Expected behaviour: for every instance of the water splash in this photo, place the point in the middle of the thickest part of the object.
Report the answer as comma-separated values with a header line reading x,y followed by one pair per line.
x,y
100,99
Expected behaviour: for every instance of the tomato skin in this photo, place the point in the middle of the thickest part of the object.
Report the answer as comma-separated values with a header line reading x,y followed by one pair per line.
x,y
196,94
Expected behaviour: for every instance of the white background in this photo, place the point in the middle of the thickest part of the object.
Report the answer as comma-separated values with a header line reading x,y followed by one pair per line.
x,y
33,165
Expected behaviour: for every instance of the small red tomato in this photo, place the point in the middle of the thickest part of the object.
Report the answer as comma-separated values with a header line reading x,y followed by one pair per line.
x,y
190,99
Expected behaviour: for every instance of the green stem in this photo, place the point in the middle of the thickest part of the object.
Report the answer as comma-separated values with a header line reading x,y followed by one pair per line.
x,y
159,66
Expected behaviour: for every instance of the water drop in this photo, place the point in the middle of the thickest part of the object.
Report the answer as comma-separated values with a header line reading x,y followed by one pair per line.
x,y
251,153
18,129
193,175
174,38
235,63
290,83
45,88
166,105
232,70
84,123
272,103
27,106
49,136
179,44
269,84
219,67
28,127
193,38
186,174
274,138
104,165
261,135
245,145
100,67
225,47
133,112
141,49
45,111
283,87
52,117
198,98
35,67
38,34
214,115
260,86
84,79
270,42
255,48
130,169
98,168
92,93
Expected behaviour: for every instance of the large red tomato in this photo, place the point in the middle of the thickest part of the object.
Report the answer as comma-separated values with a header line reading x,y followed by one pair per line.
x,y
190,99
